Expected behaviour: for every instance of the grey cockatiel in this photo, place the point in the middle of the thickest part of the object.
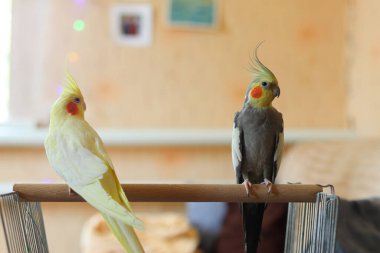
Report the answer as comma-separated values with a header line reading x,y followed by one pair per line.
x,y
257,142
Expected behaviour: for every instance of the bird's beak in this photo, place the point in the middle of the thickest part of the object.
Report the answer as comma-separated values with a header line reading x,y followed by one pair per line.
x,y
84,105
276,91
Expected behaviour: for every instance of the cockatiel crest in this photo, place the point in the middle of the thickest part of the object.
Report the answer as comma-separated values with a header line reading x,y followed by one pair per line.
x,y
71,86
264,86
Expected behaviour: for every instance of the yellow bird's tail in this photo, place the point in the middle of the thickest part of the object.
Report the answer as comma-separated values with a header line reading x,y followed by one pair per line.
x,y
125,234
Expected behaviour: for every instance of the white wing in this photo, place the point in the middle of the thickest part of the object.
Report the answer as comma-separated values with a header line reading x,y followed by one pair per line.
x,y
280,147
74,156
79,157
278,153
236,146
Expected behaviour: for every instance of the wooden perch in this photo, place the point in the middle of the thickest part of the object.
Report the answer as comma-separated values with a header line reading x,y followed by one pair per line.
x,y
281,193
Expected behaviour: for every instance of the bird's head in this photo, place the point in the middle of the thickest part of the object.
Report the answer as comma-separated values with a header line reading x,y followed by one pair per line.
x,y
264,86
71,102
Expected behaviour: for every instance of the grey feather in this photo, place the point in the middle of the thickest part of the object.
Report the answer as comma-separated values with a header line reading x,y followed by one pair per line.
x,y
260,129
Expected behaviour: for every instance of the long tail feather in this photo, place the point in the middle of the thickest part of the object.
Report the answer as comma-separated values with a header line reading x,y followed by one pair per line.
x,y
125,234
252,220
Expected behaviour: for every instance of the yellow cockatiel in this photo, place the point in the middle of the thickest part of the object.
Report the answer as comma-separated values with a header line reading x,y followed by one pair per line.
x,y
77,154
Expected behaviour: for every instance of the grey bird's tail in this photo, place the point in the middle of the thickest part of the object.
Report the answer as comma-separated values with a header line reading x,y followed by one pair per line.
x,y
252,219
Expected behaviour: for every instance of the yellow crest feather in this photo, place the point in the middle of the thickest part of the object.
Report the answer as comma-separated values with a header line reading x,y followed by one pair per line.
x,y
71,86
259,69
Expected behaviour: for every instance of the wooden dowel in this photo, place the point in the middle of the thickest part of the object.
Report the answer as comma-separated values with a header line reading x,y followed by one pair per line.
x,y
281,193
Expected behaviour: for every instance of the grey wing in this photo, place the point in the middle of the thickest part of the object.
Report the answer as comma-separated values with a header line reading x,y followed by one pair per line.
x,y
237,149
278,148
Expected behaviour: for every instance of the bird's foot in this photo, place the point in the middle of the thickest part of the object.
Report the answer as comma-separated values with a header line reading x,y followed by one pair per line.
x,y
247,186
268,184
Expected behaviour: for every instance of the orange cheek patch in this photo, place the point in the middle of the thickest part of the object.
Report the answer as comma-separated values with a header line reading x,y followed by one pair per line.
x,y
72,108
256,92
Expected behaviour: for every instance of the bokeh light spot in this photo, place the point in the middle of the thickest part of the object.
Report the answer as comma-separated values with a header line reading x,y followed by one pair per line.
x,y
59,89
80,2
79,25
73,57
47,181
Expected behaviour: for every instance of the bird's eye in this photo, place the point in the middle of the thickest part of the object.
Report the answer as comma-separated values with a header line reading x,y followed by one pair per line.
x,y
77,100
264,84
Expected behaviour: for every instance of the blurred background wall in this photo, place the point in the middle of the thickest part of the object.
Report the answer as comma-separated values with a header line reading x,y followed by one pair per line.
x,y
184,72
324,54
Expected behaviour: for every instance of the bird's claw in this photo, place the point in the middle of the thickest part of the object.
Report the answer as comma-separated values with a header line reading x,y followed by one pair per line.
x,y
268,184
247,186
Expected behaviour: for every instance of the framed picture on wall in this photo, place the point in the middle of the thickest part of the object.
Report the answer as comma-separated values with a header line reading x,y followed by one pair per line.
x,y
131,24
193,13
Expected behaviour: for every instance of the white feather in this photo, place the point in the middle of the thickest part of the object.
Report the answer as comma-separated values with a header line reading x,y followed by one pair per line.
x,y
96,196
72,160
278,152
79,157
236,152
125,234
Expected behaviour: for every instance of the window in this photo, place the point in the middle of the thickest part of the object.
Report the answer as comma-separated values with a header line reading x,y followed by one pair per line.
x,y
5,46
